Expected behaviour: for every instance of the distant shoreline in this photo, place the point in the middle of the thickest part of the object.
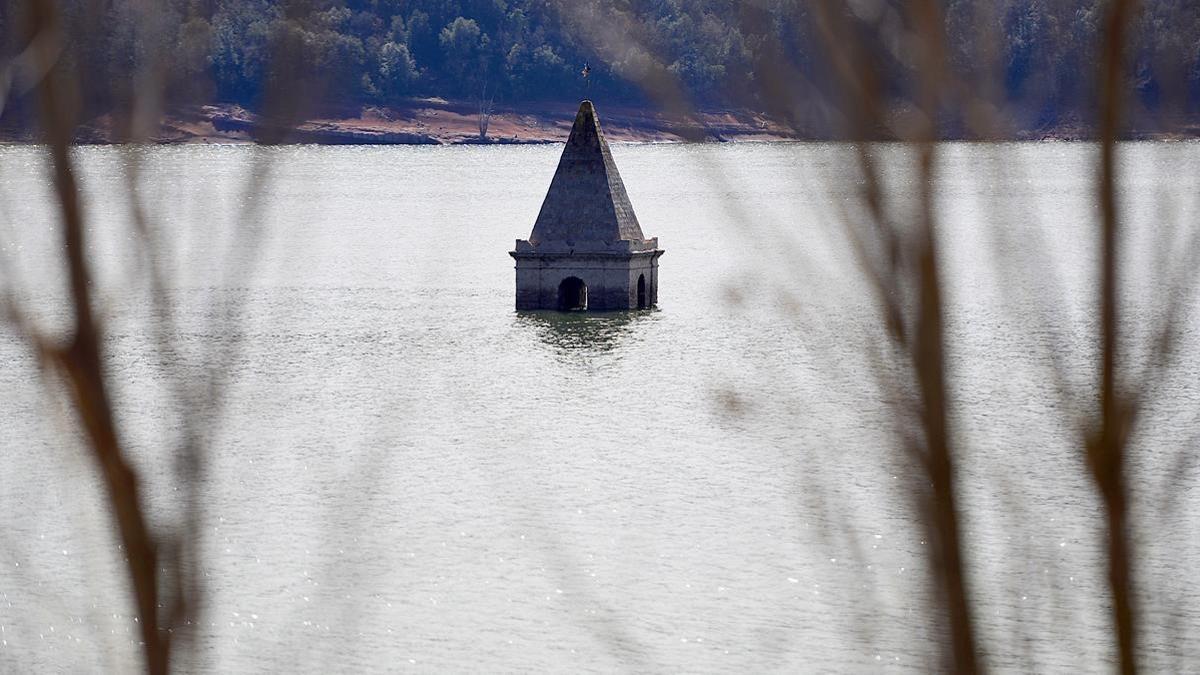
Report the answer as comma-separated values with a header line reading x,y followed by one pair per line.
x,y
436,121
440,122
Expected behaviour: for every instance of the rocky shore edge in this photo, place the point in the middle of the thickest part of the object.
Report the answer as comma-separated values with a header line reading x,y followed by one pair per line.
x,y
435,121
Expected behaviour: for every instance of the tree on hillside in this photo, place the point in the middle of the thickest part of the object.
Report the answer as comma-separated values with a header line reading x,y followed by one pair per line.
x,y
397,69
465,47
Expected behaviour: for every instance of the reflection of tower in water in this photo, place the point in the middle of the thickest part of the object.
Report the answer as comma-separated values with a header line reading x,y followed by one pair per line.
x,y
581,332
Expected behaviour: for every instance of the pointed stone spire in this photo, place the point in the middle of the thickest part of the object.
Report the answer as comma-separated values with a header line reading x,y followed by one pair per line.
x,y
586,206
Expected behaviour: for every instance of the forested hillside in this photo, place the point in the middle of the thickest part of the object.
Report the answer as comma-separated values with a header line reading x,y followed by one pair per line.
x,y
1034,56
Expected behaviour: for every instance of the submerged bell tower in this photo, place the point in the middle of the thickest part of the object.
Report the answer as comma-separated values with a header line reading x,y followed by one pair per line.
x,y
586,251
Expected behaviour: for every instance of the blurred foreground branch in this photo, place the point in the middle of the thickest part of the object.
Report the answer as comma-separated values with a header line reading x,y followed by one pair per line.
x,y
902,261
81,363
1107,446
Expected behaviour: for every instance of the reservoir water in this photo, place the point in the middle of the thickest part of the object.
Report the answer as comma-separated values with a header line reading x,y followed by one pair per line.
x,y
402,473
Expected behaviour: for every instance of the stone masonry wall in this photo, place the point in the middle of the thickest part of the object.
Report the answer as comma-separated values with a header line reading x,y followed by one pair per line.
x,y
611,280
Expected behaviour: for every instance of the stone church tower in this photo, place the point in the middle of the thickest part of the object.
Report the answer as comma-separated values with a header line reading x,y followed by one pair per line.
x,y
587,250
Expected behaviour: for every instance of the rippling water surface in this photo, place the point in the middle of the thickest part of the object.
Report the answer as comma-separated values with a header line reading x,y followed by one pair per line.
x,y
405,474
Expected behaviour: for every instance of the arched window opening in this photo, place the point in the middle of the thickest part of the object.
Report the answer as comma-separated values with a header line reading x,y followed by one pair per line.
x,y
642,301
572,294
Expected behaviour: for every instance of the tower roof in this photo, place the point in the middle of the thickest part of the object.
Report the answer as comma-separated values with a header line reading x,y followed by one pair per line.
x,y
586,205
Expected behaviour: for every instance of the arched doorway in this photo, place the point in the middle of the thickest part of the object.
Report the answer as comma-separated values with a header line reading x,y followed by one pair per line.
x,y
572,294
642,304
